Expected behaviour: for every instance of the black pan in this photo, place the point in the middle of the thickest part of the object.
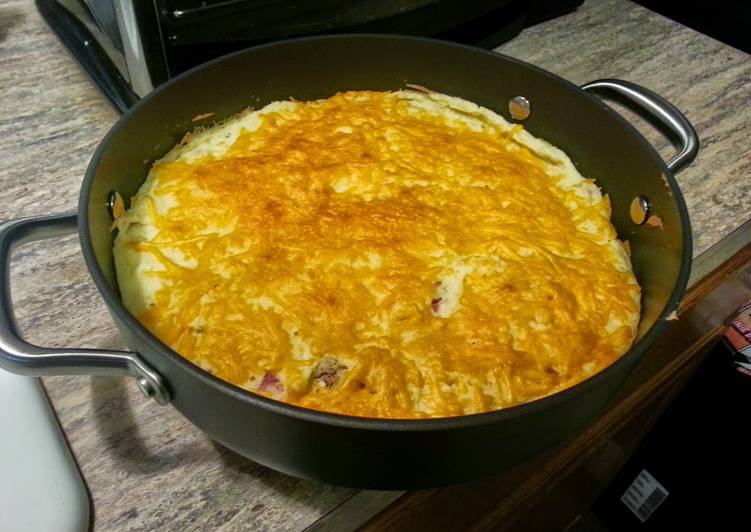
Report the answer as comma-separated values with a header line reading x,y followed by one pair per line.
x,y
371,453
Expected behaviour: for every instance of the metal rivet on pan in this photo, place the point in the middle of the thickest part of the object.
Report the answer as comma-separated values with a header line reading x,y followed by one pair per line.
x,y
145,386
639,210
519,108
111,199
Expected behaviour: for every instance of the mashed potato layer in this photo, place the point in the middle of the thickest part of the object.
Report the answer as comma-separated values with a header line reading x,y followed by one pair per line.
x,y
385,254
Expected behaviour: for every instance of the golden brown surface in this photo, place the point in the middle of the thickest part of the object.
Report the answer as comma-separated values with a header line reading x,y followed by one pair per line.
x,y
367,256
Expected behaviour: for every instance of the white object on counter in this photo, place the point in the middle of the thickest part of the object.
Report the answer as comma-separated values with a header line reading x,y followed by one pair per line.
x,y
40,485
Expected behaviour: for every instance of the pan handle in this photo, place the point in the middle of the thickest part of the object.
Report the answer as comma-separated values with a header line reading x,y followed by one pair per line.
x,y
19,356
656,109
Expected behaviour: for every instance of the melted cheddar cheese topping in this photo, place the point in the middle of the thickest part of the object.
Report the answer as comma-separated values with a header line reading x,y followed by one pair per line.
x,y
377,254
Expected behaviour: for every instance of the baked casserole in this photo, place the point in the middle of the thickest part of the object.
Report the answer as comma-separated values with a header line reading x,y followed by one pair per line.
x,y
397,254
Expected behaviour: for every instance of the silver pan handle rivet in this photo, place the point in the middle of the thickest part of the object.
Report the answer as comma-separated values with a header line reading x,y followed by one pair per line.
x,y
519,108
111,199
145,386
639,210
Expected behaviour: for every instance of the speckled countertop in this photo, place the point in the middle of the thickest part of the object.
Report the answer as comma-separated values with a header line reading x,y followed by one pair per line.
x,y
145,466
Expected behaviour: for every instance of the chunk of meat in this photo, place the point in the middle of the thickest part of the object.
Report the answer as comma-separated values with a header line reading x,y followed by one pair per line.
x,y
271,384
328,371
